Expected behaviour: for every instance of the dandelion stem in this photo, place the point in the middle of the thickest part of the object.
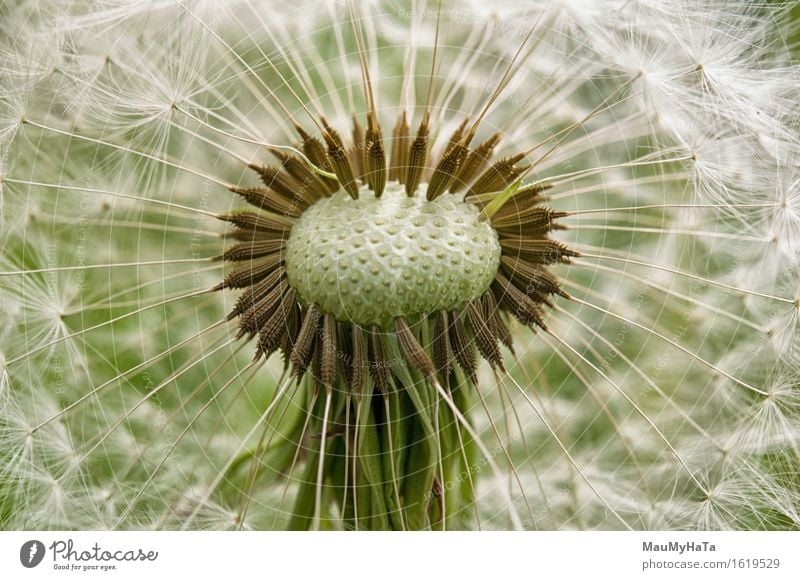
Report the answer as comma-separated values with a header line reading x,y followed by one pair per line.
x,y
111,193
104,266
315,523
224,471
487,455
244,63
568,455
669,231
463,451
643,375
632,403
153,392
686,274
627,185
177,441
675,293
667,206
604,105
504,445
101,324
300,154
300,439
392,461
557,180
675,344
150,156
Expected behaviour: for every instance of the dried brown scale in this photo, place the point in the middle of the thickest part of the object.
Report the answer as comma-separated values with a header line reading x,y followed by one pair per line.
x,y
474,163
340,160
534,191
280,182
526,231
294,320
261,198
304,346
494,320
378,360
273,329
313,149
500,175
446,170
254,293
242,235
248,220
250,250
327,372
417,158
485,339
535,219
375,161
518,303
316,362
343,171
442,356
311,186
538,276
253,320
358,150
539,250
376,158
411,348
360,359
344,351
400,150
539,297
251,274
462,347
457,135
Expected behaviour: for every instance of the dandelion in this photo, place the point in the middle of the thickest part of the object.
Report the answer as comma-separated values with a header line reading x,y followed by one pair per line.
x,y
377,265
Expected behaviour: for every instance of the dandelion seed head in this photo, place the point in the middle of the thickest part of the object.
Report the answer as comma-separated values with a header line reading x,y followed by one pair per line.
x,y
358,258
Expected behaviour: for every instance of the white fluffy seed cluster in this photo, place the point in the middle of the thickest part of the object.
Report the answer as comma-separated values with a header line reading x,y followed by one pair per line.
x,y
372,259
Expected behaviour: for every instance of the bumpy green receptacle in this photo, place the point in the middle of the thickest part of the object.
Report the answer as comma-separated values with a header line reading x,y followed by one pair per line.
x,y
370,260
